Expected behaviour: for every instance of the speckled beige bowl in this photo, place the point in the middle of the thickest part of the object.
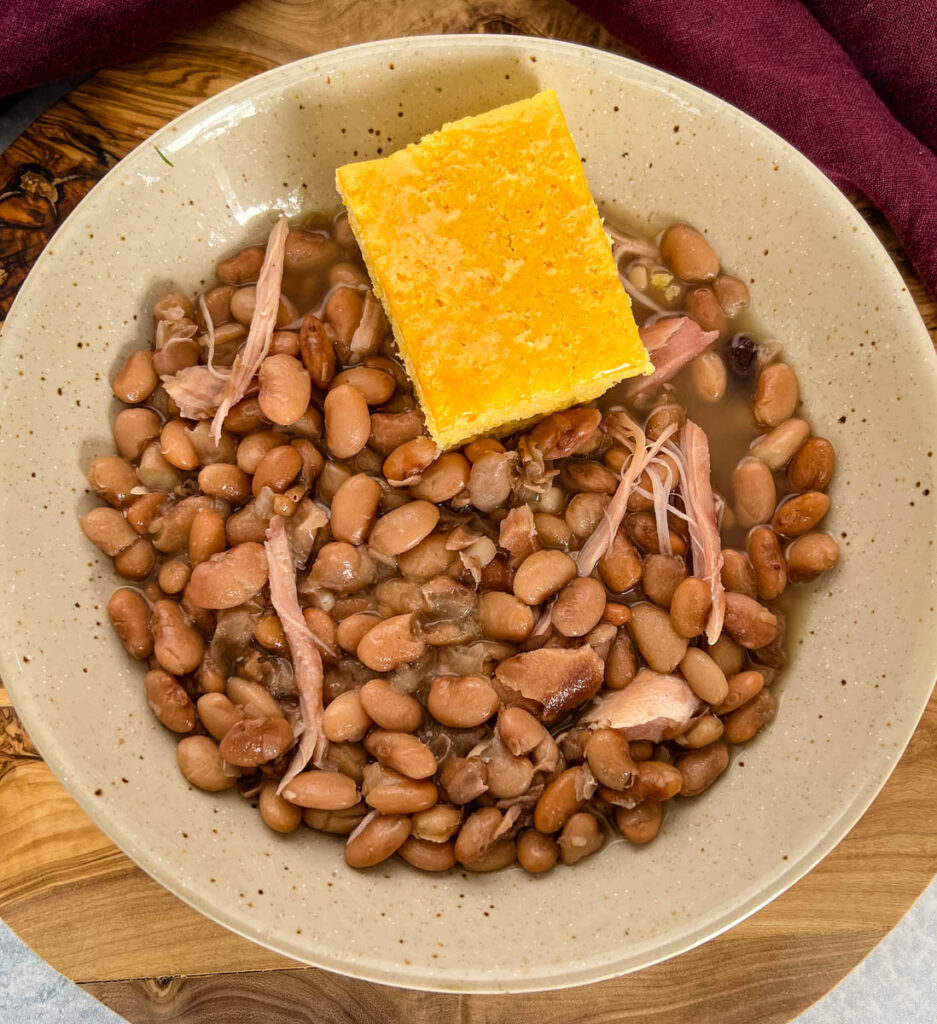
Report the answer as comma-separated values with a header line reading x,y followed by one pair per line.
x,y
655,148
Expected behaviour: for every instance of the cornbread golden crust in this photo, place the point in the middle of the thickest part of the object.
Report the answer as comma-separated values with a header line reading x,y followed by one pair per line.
x,y
487,250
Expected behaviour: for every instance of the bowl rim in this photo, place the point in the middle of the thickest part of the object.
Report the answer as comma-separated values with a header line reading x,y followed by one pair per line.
x,y
214,109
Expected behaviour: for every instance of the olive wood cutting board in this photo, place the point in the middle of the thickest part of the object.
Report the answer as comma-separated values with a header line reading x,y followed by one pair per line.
x,y
97,918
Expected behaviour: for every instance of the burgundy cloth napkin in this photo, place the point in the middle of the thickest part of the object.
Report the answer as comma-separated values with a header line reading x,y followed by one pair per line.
x,y
774,59
43,40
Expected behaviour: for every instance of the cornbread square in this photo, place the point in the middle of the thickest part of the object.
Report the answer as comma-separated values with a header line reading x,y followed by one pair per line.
x,y
486,248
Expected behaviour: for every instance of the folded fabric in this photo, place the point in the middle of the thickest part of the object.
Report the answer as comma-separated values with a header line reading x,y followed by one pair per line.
x,y
894,44
775,60
43,40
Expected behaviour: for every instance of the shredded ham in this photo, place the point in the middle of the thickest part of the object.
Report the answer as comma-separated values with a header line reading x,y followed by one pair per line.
x,y
210,331
623,428
653,706
705,545
197,390
518,533
307,664
248,360
678,341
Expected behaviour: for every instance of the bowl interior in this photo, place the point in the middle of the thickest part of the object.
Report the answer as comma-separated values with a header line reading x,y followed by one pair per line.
x,y
654,149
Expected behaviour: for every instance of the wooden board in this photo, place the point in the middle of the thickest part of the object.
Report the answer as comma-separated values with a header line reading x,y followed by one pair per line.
x,y
93,915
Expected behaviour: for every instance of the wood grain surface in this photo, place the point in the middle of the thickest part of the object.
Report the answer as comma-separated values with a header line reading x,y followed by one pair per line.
x,y
83,906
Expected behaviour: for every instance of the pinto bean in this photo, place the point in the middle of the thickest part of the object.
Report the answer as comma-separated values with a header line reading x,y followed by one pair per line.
x,y
178,647
321,790
552,531
242,267
345,720
376,386
114,479
207,536
477,834
742,687
621,567
621,663
660,644
408,461
107,529
437,824
500,855
704,731
777,448
584,475
542,574
609,759
738,574
812,467
343,313
277,812
732,294
584,512
218,714
285,388
581,836
155,472
810,555
775,395
688,254
801,513
403,752
389,708
342,567
579,606
563,433
727,654
245,417
706,678
137,379
505,617
749,623
225,481
463,779
351,629
461,702
277,469
317,351
337,823
389,429
427,856
490,480
201,763
255,741
171,529
689,607
253,699
229,578
709,376
700,768
743,724
169,701
391,792
134,429
536,852
130,617
561,799
764,552
474,450
641,527
443,479
639,824
755,492
347,421
376,838
137,561
403,528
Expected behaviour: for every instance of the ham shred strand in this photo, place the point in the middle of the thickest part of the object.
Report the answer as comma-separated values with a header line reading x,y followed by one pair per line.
x,y
263,321
307,663
705,543
673,346
197,390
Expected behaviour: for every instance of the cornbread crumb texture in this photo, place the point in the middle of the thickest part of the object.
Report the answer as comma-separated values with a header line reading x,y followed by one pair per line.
x,y
485,245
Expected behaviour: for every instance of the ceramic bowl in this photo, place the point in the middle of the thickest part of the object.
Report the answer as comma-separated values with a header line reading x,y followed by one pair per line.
x,y
654,149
